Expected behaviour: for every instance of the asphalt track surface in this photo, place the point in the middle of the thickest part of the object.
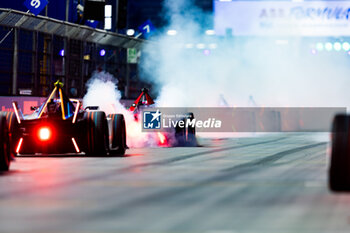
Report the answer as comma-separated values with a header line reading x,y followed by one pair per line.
x,y
273,184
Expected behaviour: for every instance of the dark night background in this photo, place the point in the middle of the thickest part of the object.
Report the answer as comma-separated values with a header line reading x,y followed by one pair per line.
x,y
138,11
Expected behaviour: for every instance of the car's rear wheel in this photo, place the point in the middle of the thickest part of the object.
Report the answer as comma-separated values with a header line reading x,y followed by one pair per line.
x,y
118,142
5,151
191,132
186,136
339,171
11,120
97,133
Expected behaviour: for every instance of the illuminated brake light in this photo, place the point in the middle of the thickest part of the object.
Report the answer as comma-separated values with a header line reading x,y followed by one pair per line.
x,y
16,112
19,145
75,145
44,134
162,138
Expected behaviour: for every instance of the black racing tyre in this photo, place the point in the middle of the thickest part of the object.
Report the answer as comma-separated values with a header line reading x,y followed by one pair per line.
x,y
11,120
339,171
118,142
5,151
13,126
97,133
191,132
180,136
186,136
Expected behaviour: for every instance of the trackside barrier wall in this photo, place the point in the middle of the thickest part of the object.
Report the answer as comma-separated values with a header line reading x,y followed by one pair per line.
x,y
37,50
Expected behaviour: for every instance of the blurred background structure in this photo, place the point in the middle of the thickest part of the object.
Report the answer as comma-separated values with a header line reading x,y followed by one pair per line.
x,y
67,41
245,46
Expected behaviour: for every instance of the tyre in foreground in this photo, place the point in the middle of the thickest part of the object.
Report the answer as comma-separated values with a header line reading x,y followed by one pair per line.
x,y
5,150
339,171
186,136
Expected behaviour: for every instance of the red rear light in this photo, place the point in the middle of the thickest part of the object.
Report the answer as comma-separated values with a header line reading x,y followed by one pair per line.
x,y
162,138
44,134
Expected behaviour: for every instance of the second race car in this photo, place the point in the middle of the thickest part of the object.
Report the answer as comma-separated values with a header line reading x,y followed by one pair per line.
x,y
61,126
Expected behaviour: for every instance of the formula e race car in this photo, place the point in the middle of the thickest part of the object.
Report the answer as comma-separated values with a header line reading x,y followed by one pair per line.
x,y
339,169
61,126
178,136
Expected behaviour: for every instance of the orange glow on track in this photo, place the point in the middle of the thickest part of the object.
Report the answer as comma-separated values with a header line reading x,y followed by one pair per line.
x,y
19,145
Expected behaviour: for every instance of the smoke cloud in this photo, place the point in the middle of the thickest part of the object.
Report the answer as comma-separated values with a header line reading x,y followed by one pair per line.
x,y
192,69
102,92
